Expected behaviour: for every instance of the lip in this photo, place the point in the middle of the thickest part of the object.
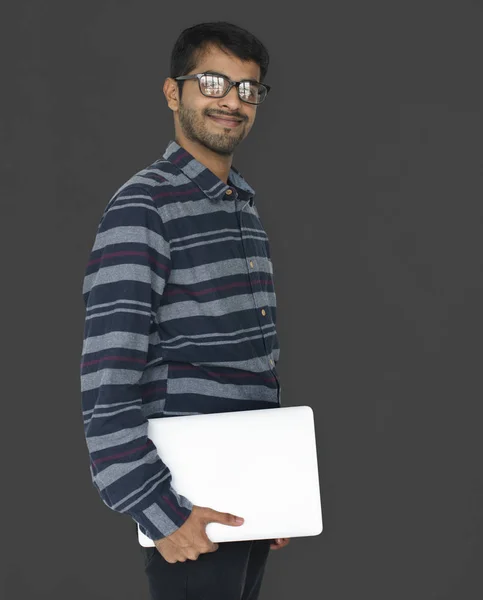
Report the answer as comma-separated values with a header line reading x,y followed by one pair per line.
x,y
225,122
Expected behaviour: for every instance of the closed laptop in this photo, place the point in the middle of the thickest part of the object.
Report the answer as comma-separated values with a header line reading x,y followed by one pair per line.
x,y
257,464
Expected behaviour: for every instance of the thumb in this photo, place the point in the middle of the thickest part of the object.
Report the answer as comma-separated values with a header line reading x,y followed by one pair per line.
x,y
215,516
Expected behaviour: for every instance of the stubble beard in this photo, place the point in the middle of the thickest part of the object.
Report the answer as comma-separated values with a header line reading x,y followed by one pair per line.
x,y
194,128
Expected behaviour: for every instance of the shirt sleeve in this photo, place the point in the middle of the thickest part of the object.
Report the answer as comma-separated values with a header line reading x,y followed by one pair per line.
x,y
123,286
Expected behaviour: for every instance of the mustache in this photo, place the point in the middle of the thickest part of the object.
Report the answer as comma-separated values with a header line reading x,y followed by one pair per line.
x,y
232,116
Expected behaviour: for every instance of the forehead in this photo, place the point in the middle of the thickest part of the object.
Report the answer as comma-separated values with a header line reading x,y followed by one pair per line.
x,y
225,63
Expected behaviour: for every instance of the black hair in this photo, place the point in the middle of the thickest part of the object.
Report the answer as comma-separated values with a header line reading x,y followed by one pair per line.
x,y
193,41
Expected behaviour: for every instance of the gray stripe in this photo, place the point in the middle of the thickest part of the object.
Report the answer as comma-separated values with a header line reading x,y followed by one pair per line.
x,y
203,206
215,270
212,232
118,310
110,405
109,414
149,205
215,241
109,376
205,336
131,234
185,208
157,479
124,272
221,342
204,234
253,365
113,412
234,391
193,168
113,472
165,475
192,208
143,205
215,308
93,306
205,243
95,443
159,519
115,339
153,407
154,372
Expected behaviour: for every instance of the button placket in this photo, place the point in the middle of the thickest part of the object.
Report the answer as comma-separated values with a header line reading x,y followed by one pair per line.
x,y
252,265
263,312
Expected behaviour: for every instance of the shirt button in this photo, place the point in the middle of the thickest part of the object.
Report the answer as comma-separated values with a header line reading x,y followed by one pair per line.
x,y
228,191
251,264
263,312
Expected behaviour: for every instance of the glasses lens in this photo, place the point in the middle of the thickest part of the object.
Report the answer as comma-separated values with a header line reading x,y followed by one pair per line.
x,y
252,92
213,85
216,86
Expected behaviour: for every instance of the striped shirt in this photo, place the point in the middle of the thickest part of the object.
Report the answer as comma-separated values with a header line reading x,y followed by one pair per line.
x,y
180,319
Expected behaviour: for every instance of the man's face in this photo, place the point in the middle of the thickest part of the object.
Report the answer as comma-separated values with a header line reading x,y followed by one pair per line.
x,y
195,109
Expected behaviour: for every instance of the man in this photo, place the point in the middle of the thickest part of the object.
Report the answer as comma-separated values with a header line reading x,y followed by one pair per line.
x,y
181,312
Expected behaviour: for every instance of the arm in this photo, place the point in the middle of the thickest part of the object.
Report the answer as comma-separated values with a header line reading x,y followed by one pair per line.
x,y
123,285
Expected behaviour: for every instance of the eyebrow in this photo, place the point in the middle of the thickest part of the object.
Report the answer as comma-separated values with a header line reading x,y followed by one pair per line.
x,y
211,72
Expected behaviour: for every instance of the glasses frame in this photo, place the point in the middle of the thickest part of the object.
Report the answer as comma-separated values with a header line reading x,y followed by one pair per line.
x,y
231,83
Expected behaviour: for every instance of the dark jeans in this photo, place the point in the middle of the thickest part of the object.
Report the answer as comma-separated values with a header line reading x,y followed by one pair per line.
x,y
233,572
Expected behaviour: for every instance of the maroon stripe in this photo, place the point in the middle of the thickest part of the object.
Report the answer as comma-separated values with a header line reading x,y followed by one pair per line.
x,y
120,358
181,155
157,389
168,501
121,454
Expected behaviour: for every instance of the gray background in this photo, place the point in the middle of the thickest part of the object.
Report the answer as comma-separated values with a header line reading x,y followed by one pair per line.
x,y
368,149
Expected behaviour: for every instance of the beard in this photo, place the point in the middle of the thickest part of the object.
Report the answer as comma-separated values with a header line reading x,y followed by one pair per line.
x,y
194,126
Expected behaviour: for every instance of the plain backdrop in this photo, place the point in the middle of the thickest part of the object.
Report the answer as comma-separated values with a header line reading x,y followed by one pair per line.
x,y
366,159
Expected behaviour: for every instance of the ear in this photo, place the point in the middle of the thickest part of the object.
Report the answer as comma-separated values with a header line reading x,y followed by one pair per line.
x,y
170,90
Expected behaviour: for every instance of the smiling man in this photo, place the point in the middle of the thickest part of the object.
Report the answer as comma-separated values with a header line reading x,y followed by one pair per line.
x,y
181,314
214,107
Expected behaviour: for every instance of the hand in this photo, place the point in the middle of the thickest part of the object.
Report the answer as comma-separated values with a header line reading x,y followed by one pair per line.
x,y
279,543
190,540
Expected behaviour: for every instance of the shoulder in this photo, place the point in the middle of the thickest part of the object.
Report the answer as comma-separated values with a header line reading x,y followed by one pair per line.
x,y
156,186
162,181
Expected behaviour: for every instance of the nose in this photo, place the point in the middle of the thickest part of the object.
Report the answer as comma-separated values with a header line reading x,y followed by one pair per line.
x,y
232,99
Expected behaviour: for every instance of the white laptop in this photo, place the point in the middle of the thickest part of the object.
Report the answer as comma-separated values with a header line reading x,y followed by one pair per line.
x,y
257,464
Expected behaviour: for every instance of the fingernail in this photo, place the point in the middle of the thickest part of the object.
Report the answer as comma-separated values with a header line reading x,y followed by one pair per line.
x,y
239,520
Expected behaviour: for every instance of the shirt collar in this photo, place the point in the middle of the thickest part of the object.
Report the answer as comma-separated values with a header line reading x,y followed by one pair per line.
x,y
211,185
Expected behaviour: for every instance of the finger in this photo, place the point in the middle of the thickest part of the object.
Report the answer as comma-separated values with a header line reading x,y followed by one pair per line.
x,y
205,544
279,543
214,516
212,547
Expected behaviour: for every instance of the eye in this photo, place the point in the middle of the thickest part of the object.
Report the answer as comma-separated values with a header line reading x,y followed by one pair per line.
x,y
213,85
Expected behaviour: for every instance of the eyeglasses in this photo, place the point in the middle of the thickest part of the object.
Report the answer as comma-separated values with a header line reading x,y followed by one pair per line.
x,y
215,85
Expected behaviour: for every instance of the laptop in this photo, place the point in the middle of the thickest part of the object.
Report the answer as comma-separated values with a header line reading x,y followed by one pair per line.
x,y
257,464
